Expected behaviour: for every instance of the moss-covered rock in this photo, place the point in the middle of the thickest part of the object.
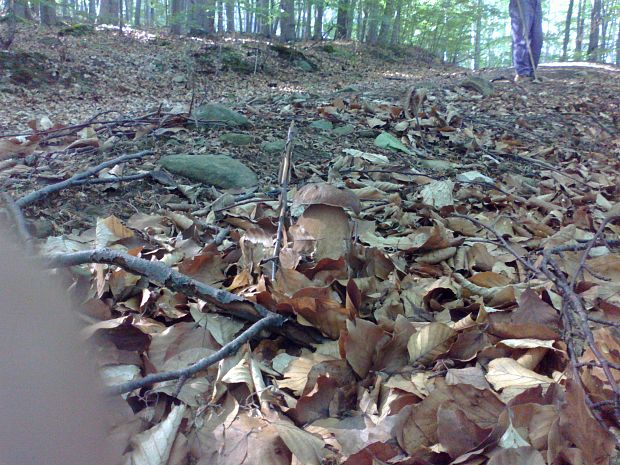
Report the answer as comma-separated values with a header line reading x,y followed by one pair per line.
x,y
237,139
217,170
77,30
215,114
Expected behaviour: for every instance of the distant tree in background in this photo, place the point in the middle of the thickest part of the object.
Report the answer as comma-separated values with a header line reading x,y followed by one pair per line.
x,y
472,33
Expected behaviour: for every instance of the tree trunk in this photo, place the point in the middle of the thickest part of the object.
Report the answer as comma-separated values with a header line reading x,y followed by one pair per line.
x,y
387,23
318,21
308,23
373,23
350,18
595,22
47,12
176,10
138,12
220,17
569,17
92,10
341,20
618,47
6,42
22,10
248,17
108,12
209,26
478,35
287,20
394,40
230,16
580,28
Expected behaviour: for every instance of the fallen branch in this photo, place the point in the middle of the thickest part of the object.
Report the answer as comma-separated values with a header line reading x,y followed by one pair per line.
x,y
19,221
269,321
285,177
77,178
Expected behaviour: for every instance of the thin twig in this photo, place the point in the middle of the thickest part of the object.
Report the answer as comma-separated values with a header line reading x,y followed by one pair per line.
x,y
285,177
77,178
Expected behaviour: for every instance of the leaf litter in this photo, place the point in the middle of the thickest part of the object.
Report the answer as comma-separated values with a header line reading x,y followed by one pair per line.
x,y
428,268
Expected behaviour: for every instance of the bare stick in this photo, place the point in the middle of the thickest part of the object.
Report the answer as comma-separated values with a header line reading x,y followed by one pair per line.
x,y
77,178
270,321
285,176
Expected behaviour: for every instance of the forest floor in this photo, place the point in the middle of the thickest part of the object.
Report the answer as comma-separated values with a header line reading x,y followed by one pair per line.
x,y
460,293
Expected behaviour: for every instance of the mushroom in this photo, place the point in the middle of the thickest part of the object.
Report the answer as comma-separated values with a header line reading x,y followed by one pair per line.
x,y
323,228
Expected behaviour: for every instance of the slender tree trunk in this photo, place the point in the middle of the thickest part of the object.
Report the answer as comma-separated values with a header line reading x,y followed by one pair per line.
x,y
230,16
92,10
618,46
595,22
287,20
394,39
138,12
318,21
6,42
220,17
373,23
341,19
362,15
47,12
387,23
351,18
569,17
308,24
22,9
176,10
478,35
580,28
108,12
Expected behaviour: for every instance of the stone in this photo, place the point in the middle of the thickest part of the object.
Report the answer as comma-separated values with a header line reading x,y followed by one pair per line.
x,y
214,114
217,170
274,146
322,124
237,139
480,85
345,130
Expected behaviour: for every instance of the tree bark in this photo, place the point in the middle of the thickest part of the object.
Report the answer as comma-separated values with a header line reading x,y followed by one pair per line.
x,y
580,28
287,20
618,47
308,23
209,25
220,17
22,9
138,12
394,40
230,16
373,23
342,19
318,21
176,9
387,23
351,18
47,12
595,22
108,12
569,17
478,35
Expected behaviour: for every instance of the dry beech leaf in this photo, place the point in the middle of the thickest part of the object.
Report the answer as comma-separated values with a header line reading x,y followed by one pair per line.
x,y
430,342
306,447
153,446
507,373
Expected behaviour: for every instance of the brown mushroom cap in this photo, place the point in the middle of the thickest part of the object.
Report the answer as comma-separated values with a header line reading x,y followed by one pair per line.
x,y
326,194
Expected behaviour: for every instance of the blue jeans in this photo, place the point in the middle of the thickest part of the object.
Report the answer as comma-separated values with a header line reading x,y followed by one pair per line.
x,y
526,26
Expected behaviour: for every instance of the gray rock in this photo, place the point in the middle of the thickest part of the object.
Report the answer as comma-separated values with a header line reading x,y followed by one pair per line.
x,y
274,146
480,85
322,124
237,139
220,114
217,170
344,130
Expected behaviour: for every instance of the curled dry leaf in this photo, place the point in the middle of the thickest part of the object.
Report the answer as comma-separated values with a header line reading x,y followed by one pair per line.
x,y
432,341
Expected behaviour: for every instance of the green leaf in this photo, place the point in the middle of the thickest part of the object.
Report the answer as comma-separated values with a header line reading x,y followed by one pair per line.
x,y
385,140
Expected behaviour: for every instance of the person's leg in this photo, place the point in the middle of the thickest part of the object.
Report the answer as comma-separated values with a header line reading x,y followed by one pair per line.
x,y
536,33
521,21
